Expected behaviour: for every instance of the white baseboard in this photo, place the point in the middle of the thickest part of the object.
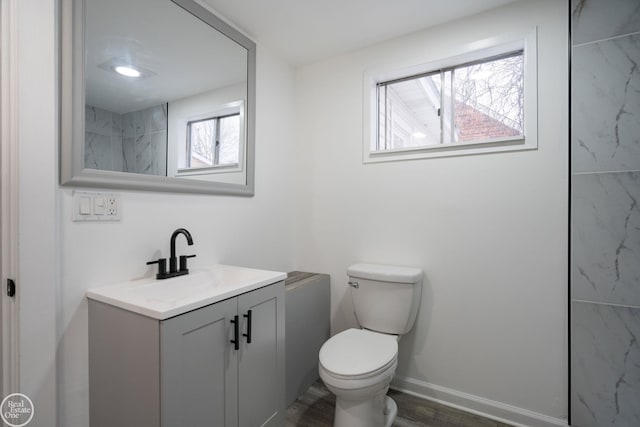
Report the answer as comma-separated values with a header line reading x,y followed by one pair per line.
x,y
477,405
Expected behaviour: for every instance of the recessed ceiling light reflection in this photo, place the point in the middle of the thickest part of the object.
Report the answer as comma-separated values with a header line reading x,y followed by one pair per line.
x,y
126,67
127,71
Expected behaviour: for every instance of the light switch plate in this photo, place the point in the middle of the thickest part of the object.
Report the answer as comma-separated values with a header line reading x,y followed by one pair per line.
x,y
96,207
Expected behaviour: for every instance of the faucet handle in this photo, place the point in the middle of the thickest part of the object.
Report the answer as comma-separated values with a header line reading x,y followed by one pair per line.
x,y
162,267
183,262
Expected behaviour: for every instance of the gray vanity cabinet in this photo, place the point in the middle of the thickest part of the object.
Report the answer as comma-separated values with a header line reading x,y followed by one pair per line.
x,y
199,368
261,370
185,372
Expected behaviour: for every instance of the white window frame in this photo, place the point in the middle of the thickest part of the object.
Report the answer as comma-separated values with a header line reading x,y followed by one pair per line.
x,y
227,109
216,148
477,51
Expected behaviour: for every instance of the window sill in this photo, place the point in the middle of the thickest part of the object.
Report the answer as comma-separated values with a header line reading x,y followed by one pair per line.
x,y
450,150
227,168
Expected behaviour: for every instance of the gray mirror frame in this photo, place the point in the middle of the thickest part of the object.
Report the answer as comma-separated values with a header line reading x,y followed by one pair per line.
x,y
72,108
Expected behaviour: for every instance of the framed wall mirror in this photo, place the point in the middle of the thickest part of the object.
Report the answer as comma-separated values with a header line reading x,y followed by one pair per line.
x,y
155,95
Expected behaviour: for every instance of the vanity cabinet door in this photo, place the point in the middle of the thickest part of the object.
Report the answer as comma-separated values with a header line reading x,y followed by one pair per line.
x,y
199,368
261,370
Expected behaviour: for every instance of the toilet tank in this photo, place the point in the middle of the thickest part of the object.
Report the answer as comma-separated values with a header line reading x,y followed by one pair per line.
x,y
385,298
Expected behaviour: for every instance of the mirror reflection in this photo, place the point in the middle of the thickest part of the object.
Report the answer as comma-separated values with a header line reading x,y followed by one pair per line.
x,y
165,93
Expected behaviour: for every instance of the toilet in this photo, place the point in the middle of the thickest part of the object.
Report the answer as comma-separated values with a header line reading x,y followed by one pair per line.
x,y
357,365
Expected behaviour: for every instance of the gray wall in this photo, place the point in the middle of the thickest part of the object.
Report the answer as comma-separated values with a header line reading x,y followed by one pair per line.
x,y
605,282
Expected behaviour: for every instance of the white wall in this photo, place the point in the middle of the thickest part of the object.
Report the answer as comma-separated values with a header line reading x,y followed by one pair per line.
x,y
490,231
253,232
37,280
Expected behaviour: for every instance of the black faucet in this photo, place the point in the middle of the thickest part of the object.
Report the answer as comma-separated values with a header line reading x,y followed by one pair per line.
x,y
175,269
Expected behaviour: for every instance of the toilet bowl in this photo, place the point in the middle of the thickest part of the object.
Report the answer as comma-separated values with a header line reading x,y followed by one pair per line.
x,y
357,365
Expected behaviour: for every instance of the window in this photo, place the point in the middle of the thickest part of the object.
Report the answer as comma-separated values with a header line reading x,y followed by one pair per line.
x,y
480,101
213,141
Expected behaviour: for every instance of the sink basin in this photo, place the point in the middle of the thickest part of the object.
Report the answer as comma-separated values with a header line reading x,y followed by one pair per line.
x,y
161,299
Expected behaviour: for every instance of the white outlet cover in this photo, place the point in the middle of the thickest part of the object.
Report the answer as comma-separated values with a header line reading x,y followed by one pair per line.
x,y
104,207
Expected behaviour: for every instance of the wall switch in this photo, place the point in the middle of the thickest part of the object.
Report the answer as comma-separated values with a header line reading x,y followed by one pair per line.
x,y
96,207
85,205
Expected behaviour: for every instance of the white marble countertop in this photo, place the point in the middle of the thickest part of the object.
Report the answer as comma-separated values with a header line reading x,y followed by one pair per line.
x,y
162,299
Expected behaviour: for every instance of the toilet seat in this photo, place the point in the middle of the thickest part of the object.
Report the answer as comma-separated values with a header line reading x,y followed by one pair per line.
x,y
358,354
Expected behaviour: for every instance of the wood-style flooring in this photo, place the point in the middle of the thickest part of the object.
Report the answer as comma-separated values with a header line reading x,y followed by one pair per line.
x,y
315,409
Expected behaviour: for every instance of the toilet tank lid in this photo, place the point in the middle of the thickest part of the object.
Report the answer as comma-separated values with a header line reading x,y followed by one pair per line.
x,y
385,273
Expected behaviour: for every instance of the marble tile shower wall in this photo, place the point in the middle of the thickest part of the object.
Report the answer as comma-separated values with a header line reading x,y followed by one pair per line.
x,y
605,155
131,142
102,139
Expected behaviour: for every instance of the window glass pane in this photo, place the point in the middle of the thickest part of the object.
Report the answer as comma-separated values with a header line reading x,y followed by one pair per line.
x,y
381,141
214,141
448,129
489,99
229,147
408,113
201,140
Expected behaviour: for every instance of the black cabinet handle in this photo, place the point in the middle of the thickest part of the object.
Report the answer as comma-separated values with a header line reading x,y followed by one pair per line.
x,y
236,331
248,334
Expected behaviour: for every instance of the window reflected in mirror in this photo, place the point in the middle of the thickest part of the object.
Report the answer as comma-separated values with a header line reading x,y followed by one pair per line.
x,y
214,141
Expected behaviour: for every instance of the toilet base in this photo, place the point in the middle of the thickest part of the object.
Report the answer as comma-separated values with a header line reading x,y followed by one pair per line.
x,y
390,411
379,411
